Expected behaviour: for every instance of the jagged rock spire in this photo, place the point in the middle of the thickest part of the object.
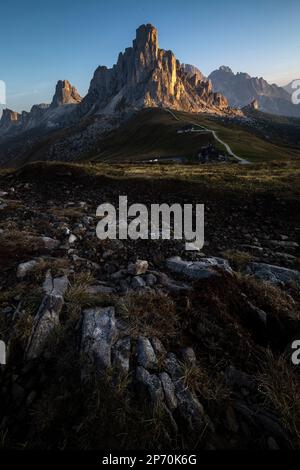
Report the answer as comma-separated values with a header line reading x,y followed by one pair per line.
x,y
65,93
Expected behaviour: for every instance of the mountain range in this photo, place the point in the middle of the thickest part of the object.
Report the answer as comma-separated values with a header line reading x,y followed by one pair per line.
x,y
144,76
240,89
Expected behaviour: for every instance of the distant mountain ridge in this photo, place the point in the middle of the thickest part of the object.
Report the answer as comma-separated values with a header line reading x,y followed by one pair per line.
x,y
144,76
44,115
241,89
147,76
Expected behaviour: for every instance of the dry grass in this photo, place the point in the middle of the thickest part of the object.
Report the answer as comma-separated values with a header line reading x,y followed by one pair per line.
x,y
68,212
237,259
57,267
77,297
15,244
280,384
150,314
269,297
200,381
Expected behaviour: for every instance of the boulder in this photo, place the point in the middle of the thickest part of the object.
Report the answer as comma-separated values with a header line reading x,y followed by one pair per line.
x,y
47,317
50,243
194,270
149,386
99,332
169,391
121,355
138,268
189,407
138,283
274,274
146,356
24,268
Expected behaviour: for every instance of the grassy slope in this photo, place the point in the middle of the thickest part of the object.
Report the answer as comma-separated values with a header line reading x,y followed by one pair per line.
x,y
282,179
245,144
152,134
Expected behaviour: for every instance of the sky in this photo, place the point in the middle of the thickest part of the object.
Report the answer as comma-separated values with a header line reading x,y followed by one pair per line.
x,y
42,42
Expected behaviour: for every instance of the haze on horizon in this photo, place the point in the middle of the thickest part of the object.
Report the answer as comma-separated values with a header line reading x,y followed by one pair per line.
x,y
51,41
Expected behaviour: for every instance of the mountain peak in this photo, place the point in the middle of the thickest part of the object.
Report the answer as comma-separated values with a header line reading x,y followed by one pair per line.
x,y
147,76
146,34
225,68
65,93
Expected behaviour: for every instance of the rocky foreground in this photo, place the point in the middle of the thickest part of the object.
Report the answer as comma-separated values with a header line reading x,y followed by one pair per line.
x,y
140,344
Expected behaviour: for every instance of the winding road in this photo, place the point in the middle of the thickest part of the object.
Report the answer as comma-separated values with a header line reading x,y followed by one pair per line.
x,y
242,161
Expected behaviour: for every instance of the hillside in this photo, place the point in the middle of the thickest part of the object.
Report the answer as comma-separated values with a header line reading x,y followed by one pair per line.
x,y
192,344
153,134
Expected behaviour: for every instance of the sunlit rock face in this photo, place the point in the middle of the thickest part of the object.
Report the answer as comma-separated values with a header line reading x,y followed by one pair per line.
x,y
147,76
65,93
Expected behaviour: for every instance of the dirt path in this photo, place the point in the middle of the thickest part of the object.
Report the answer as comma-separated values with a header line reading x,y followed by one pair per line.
x,y
242,161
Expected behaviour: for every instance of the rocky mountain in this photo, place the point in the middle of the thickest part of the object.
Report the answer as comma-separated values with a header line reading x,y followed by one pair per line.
x,y
65,93
144,76
45,116
147,76
191,70
241,89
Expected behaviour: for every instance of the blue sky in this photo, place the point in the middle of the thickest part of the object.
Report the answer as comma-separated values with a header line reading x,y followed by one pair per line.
x,y
42,42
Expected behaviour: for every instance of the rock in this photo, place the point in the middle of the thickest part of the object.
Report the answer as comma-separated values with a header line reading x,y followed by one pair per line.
x,y
189,407
124,286
50,243
47,317
273,274
150,280
121,355
188,356
272,444
147,76
99,332
158,348
169,391
285,244
255,250
176,287
285,256
149,385
260,314
56,286
65,93
198,269
138,283
145,353
24,268
72,239
119,274
236,377
138,268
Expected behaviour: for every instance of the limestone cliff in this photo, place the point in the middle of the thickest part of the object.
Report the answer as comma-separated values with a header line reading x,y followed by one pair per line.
x,y
147,76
